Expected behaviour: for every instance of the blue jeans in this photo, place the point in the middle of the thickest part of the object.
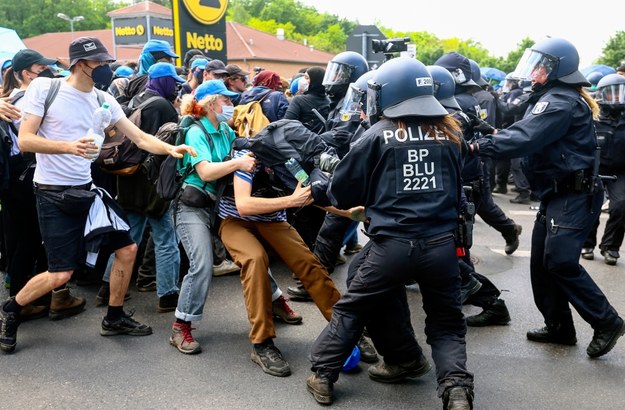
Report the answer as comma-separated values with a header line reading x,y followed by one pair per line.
x,y
165,249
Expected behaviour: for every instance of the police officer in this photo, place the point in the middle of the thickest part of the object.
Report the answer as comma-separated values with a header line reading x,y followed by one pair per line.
x,y
472,173
611,133
557,134
407,168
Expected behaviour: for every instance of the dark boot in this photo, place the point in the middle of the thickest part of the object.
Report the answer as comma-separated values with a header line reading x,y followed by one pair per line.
x,y
367,351
512,240
604,339
298,292
392,373
500,189
458,398
563,335
610,256
495,314
523,198
321,388
64,305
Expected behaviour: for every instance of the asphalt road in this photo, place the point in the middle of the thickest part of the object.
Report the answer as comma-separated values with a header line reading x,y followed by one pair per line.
x,y
67,364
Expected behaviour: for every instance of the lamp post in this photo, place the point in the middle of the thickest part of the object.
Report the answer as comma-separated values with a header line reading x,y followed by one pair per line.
x,y
71,21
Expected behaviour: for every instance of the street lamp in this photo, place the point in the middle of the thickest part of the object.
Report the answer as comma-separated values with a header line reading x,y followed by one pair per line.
x,y
71,21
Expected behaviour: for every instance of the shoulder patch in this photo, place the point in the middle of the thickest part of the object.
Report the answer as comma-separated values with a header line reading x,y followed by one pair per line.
x,y
540,107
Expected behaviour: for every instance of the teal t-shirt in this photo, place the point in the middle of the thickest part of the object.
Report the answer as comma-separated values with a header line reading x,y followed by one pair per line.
x,y
222,140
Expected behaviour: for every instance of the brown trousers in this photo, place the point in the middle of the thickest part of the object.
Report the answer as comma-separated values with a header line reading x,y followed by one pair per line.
x,y
245,241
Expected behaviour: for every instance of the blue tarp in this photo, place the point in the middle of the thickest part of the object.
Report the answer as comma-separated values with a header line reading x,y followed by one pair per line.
x,y
10,42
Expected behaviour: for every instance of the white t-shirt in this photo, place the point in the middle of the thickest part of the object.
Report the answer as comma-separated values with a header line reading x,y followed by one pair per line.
x,y
69,117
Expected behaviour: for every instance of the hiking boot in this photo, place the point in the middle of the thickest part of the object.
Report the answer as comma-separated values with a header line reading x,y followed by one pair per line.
x,y
104,294
495,314
225,267
124,325
469,288
604,339
368,353
500,189
32,312
610,256
167,303
588,254
321,388
512,240
147,285
352,249
64,305
458,398
270,359
340,260
523,198
392,373
553,334
9,322
183,340
298,293
281,310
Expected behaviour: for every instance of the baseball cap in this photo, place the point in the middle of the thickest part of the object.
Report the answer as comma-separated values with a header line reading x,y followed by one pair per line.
x,y
233,69
199,62
216,66
27,57
159,70
123,71
88,48
213,87
153,46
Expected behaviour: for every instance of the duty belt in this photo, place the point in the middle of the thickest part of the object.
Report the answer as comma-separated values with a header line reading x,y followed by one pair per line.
x,y
578,181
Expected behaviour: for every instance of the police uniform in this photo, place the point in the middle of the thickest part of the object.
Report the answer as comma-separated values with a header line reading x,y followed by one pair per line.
x,y
409,184
557,136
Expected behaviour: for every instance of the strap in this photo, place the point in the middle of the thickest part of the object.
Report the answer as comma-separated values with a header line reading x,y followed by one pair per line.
x,y
55,85
17,96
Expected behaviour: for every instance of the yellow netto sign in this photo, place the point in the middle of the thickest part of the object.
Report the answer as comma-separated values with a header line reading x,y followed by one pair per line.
x,y
204,42
125,31
163,31
206,11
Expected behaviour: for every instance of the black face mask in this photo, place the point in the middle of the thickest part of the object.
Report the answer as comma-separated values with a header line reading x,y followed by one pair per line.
x,y
102,76
46,73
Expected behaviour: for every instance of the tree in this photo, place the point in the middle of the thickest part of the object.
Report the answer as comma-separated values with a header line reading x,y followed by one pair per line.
x,y
614,51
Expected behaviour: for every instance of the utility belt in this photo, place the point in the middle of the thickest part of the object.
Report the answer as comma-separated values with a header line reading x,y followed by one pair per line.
x,y
61,188
576,182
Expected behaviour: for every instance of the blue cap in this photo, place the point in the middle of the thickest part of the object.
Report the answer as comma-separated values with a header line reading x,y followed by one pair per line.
x,y
159,45
294,85
7,63
124,71
161,69
213,87
199,62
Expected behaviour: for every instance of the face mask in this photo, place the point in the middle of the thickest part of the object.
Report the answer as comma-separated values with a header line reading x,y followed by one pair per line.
x,y
227,111
46,73
102,76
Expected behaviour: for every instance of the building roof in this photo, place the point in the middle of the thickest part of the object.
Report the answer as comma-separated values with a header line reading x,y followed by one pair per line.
x,y
141,9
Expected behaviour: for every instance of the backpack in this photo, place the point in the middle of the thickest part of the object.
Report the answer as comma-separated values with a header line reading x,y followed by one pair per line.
x,y
249,119
119,154
7,128
171,176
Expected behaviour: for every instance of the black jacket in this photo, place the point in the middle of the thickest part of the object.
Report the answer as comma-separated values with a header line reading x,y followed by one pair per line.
x,y
301,106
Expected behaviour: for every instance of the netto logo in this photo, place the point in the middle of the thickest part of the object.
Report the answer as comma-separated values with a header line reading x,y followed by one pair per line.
x,y
206,11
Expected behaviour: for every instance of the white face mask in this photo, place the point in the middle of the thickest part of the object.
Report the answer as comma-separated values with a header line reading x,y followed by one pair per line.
x,y
227,111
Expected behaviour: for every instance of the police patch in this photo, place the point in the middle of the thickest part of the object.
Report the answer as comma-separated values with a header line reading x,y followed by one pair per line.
x,y
540,107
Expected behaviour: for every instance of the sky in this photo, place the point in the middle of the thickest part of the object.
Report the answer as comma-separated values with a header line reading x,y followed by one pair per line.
x,y
499,27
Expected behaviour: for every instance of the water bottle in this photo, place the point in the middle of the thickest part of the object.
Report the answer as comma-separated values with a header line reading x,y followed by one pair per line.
x,y
101,120
298,172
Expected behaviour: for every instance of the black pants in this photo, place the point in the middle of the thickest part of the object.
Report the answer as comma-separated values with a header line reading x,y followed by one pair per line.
x,y
489,211
330,239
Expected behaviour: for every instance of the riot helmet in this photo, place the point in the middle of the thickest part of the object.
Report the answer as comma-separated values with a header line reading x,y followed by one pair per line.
x,y
550,60
402,87
594,78
444,86
343,69
355,99
459,66
510,83
476,73
611,91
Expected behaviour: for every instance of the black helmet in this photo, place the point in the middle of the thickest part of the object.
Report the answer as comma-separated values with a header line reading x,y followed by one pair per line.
x,y
402,87
557,56
459,66
444,86
476,73
355,99
343,69
594,78
611,91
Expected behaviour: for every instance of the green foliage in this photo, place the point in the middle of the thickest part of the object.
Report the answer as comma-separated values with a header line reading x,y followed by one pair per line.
x,y
614,51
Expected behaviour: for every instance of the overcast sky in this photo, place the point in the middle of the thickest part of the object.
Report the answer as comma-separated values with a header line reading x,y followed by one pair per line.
x,y
498,26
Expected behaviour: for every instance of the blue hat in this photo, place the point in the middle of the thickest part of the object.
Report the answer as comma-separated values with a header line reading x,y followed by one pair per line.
x,y
124,71
199,62
294,85
159,45
213,87
159,70
6,64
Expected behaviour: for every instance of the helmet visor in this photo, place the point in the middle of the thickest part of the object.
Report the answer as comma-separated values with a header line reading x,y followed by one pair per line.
x,y
352,102
535,66
337,73
373,100
612,94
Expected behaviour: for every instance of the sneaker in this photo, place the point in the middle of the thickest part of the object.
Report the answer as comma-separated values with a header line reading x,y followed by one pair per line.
x,y
610,256
104,294
512,241
281,310
147,285
183,340
298,293
588,254
167,303
368,354
124,325
225,267
9,322
495,314
458,398
270,359
392,373
352,249
321,388
64,304
604,339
